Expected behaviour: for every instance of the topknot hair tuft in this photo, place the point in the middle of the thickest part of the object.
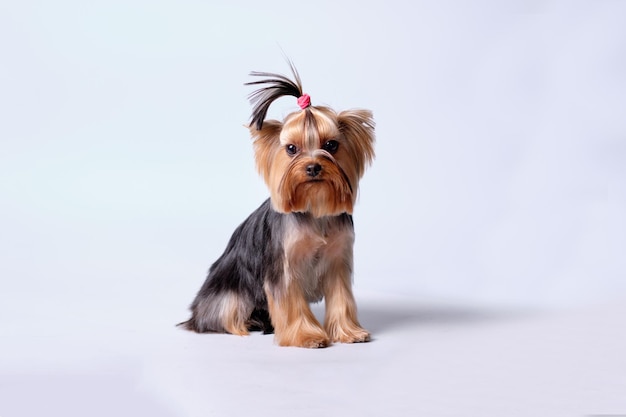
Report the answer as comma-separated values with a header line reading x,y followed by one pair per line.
x,y
273,87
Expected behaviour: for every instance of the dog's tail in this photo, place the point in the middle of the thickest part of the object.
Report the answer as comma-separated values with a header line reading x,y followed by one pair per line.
x,y
188,325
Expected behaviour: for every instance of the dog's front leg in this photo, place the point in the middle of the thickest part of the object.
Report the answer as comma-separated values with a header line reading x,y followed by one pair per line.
x,y
292,318
341,321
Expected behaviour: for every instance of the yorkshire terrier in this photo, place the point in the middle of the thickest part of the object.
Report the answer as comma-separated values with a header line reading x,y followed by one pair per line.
x,y
296,248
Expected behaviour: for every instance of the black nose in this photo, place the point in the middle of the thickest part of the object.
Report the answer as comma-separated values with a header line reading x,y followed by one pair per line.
x,y
313,170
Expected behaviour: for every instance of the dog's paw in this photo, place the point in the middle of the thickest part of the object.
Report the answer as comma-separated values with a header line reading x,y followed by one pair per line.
x,y
356,336
312,340
315,342
351,334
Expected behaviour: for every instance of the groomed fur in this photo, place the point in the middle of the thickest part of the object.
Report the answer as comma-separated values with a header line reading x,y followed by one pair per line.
x,y
253,253
296,248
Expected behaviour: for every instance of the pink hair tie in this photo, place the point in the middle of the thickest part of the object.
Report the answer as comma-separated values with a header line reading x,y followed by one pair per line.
x,y
304,101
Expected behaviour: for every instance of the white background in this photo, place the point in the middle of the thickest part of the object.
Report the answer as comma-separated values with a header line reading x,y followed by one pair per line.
x,y
499,184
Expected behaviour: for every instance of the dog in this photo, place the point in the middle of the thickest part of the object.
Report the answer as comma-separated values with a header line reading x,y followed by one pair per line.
x,y
297,247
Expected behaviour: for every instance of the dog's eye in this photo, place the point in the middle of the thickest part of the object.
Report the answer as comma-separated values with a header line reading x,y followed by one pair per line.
x,y
291,149
331,146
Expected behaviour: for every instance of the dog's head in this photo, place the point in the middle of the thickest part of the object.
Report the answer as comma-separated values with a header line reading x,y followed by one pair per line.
x,y
313,160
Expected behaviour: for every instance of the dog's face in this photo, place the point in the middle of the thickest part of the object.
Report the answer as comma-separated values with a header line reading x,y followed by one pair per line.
x,y
313,160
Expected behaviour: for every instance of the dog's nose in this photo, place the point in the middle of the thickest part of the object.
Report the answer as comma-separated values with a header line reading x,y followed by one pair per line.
x,y
313,170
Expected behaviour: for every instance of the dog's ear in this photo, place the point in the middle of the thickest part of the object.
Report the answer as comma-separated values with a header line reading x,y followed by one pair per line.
x,y
266,142
357,126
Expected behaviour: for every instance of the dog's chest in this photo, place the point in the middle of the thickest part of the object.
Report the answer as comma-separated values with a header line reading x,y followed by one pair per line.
x,y
315,247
